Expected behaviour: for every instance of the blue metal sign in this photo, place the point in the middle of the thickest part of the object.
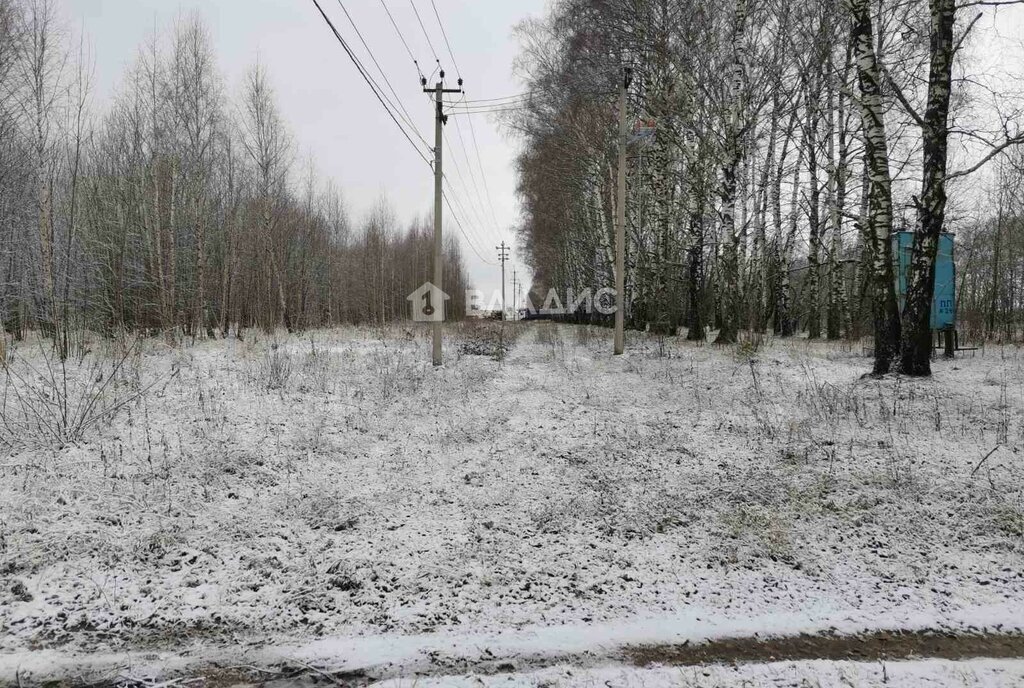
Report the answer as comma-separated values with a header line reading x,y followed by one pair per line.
x,y
944,300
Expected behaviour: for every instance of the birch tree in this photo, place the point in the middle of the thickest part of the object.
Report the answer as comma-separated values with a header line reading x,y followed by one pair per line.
x,y
733,153
43,62
269,149
885,313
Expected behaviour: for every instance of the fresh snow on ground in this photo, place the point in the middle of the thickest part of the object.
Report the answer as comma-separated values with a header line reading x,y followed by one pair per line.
x,y
334,484
450,653
810,674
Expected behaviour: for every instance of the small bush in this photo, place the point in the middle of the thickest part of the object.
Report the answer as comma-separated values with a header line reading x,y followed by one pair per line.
x,y
397,372
315,371
747,345
276,368
51,401
491,339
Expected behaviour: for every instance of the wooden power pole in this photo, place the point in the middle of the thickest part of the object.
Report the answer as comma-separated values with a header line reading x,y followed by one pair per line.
x,y
620,222
503,257
515,306
440,119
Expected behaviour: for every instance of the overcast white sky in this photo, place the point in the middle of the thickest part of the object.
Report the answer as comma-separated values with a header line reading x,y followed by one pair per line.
x,y
330,109
332,113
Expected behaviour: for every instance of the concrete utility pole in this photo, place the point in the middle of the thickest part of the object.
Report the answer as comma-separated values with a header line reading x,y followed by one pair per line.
x,y
502,256
620,222
515,309
439,90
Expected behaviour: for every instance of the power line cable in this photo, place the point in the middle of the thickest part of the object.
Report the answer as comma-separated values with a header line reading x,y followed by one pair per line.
x,y
424,29
489,106
472,176
458,223
476,208
517,96
487,111
476,146
401,37
458,202
384,103
407,117
369,81
483,175
479,209
444,35
476,236
458,170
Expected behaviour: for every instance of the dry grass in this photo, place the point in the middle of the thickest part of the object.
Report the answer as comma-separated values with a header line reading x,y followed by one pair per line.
x,y
304,484
46,401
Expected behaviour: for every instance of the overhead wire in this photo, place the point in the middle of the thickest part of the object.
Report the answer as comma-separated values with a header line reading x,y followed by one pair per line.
x,y
444,35
483,175
490,228
458,223
478,210
396,112
447,200
424,29
472,128
516,96
472,176
488,111
477,216
401,37
477,207
472,236
407,117
369,81
491,106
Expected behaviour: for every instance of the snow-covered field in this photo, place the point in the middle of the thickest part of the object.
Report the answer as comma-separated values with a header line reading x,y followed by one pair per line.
x,y
810,674
279,490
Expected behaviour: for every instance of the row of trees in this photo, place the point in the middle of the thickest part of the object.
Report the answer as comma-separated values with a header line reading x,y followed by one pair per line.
x,y
177,208
991,265
792,139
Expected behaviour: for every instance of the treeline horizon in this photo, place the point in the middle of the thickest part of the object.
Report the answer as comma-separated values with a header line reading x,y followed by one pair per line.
x,y
177,208
791,141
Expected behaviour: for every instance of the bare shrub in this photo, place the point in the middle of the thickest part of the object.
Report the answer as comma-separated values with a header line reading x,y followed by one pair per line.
x,y
584,335
54,401
486,338
747,345
397,372
276,368
548,334
315,370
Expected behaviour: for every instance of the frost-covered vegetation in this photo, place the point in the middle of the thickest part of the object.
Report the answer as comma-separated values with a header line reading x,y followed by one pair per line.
x,y
334,483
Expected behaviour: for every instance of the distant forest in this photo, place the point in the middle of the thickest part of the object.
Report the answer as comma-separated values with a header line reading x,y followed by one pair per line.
x,y
177,208
791,139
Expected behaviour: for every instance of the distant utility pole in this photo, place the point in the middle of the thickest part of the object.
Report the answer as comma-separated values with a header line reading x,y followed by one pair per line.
x,y
620,222
502,256
439,90
515,307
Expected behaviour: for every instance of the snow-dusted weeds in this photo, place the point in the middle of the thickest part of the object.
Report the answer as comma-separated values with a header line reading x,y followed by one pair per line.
x,y
335,484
